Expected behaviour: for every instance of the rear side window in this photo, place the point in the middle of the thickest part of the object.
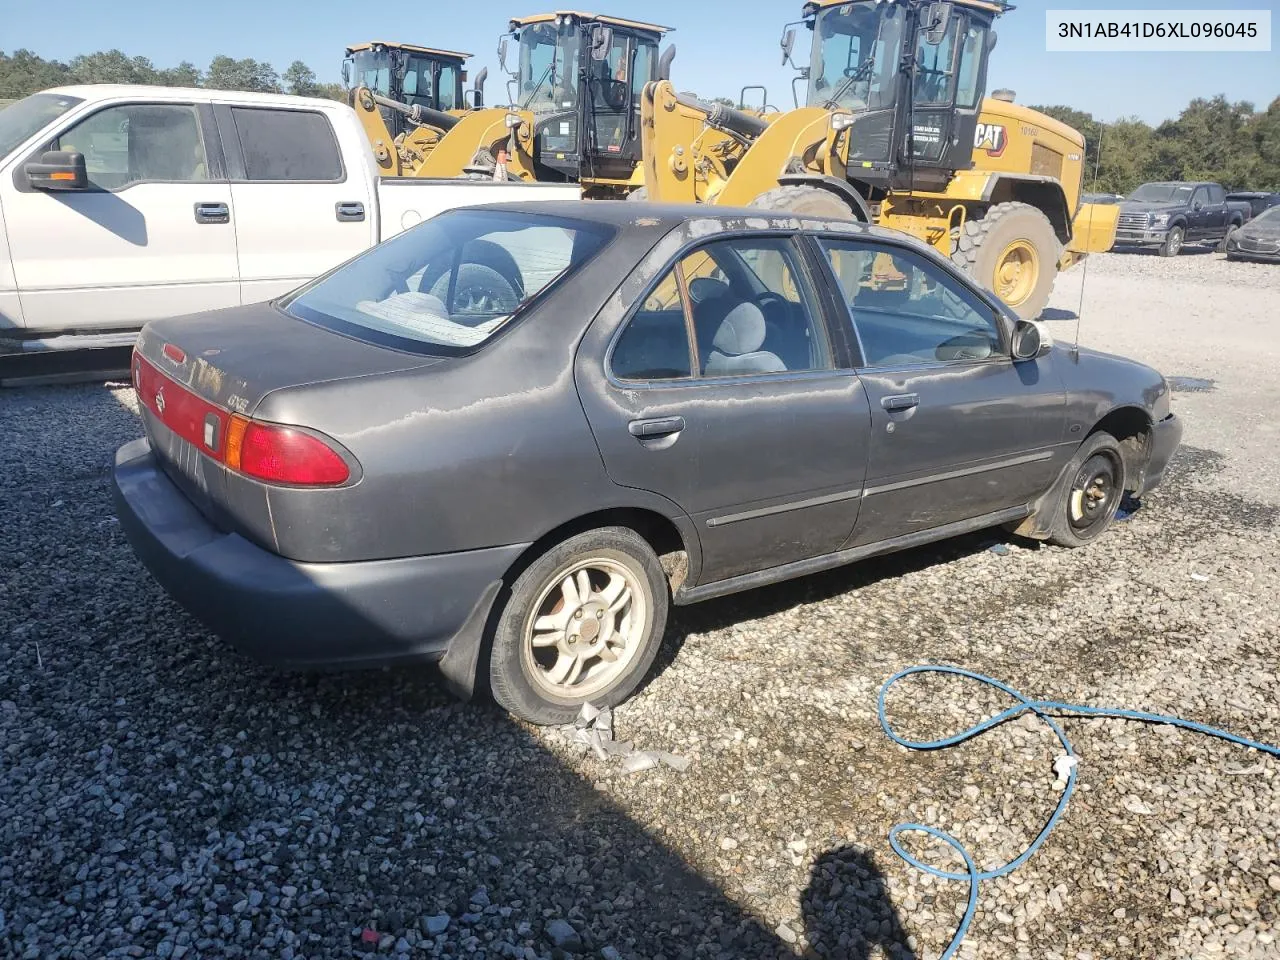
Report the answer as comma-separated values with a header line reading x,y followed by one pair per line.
x,y
1217,194
287,145
448,285
731,308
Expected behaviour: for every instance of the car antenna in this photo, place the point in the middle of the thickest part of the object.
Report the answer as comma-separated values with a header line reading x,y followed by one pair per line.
x,y
1084,275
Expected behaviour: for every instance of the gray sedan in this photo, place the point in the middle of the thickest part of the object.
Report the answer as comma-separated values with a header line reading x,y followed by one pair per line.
x,y
1259,239
508,439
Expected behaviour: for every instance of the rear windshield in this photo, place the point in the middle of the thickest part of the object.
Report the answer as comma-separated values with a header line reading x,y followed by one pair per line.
x,y
448,285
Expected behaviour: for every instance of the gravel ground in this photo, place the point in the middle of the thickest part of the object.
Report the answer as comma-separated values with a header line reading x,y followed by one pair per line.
x,y
161,796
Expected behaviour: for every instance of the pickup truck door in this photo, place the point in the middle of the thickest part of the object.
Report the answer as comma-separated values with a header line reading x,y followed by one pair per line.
x,y
1218,211
151,236
1200,216
303,201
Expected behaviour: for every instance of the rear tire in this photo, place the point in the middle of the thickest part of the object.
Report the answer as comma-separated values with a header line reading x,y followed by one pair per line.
x,y
1089,501
1012,251
1173,242
562,640
810,201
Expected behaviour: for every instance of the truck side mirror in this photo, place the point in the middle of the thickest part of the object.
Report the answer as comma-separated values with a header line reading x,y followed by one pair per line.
x,y
502,53
937,20
788,44
601,37
58,170
346,73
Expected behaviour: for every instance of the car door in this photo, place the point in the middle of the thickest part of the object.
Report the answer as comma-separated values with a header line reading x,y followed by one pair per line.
x,y
719,392
151,235
958,430
299,211
1200,215
1218,213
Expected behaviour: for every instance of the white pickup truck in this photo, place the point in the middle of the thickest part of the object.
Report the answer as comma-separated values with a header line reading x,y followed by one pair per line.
x,y
119,204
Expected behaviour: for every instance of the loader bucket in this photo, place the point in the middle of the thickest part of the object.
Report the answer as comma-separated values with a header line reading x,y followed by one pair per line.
x,y
1094,228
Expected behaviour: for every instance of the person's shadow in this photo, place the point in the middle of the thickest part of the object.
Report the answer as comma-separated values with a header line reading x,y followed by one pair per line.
x,y
847,911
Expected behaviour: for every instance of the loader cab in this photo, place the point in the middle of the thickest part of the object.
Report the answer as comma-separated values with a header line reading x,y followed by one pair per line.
x,y
581,76
416,76
904,82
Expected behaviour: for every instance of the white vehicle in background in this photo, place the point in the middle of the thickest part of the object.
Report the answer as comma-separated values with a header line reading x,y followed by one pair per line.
x,y
120,204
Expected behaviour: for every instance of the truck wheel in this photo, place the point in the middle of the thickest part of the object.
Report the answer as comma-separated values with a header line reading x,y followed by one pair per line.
x,y
1012,251
1092,495
1172,245
812,201
582,624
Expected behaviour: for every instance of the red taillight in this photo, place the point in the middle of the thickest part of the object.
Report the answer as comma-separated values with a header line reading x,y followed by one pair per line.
x,y
270,452
279,454
175,353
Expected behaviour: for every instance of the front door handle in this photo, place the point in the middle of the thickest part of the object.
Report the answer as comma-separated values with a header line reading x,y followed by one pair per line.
x,y
213,213
650,429
903,401
351,212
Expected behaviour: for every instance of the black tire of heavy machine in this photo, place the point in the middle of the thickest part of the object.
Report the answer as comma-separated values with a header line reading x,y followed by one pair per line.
x,y
1091,495
983,241
509,682
813,201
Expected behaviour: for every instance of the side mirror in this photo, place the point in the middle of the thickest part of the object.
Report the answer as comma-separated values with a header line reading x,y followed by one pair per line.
x,y
1197,206
664,63
937,20
991,40
502,53
1031,340
601,37
346,73
58,170
788,44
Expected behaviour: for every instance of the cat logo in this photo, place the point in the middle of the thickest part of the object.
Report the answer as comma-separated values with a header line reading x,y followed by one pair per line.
x,y
991,137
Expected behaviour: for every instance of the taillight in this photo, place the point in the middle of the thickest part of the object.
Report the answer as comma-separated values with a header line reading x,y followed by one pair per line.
x,y
280,454
271,452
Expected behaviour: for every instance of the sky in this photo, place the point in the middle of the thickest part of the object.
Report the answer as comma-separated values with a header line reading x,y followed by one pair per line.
x,y
722,45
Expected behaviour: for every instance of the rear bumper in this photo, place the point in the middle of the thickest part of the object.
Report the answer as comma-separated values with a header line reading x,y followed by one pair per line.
x,y
298,614
1165,437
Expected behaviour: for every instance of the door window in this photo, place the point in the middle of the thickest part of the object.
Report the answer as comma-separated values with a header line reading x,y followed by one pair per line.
x,y
975,43
287,145
1201,196
907,311
747,306
935,66
139,142
448,87
1217,194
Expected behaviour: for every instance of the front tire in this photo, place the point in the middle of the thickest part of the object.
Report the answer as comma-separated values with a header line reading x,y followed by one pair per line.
x,y
1173,242
1089,501
810,201
1013,251
582,624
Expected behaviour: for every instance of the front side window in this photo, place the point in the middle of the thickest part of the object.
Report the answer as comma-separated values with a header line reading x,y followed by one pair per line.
x,y
548,67
139,142
855,55
1201,196
448,285
969,89
907,311
646,64
287,145
731,308
935,66
419,81
372,70
448,88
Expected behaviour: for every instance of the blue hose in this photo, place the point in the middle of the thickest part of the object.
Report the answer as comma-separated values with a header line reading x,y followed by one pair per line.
x,y
1040,708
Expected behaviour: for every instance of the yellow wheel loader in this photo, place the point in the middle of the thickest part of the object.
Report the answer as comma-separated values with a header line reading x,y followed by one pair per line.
x,y
895,130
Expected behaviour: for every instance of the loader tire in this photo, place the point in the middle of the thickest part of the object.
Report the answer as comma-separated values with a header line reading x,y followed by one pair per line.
x,y
1013,251
811,201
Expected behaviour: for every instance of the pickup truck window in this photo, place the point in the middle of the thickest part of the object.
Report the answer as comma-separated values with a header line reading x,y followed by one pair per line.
x,y
449,284
22,120
1163,193
1217,194
1201,196
138,142
296,145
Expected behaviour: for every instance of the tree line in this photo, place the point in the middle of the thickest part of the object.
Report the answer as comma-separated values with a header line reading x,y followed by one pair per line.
x,y
23,73
1212,139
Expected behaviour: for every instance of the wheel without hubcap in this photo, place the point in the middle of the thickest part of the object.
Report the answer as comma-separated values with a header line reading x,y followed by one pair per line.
x,y
1017,273
1093,492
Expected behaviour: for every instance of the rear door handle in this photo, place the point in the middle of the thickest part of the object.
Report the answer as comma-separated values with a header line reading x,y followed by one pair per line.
x,y
349,212
903,401
213,213
662,427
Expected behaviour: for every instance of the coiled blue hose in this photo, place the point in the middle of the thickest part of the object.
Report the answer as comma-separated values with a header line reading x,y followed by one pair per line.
x,y
1040,708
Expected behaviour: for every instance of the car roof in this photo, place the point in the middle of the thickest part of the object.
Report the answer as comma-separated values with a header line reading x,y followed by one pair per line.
x,y
627,213
111,91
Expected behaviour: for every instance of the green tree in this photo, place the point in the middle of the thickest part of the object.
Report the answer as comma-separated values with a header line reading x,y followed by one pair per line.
x,y
226,73
112,66
300,80
23,73
1210,140
185,74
